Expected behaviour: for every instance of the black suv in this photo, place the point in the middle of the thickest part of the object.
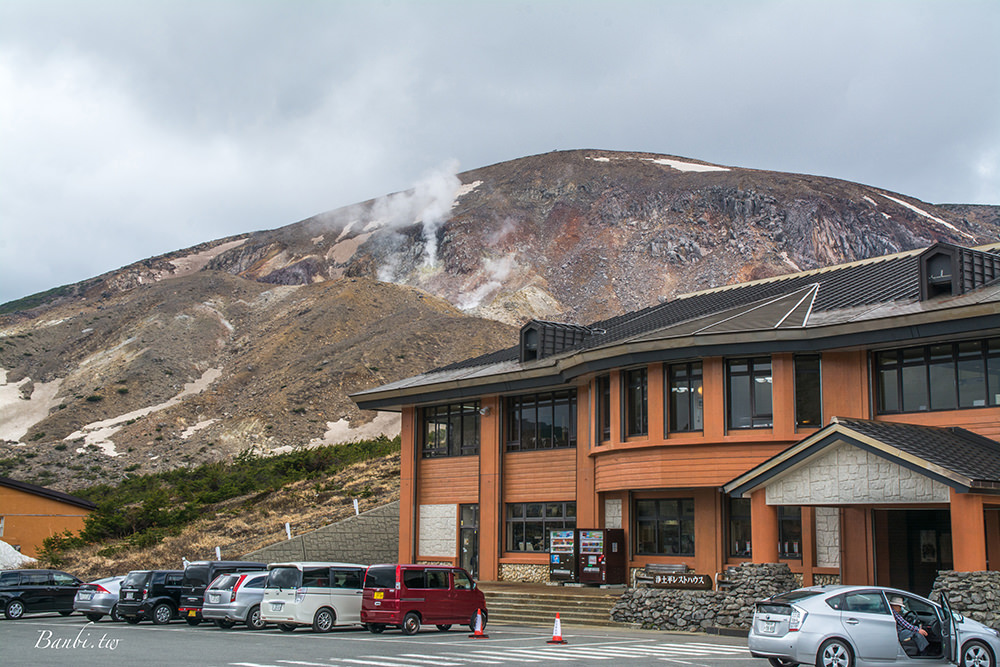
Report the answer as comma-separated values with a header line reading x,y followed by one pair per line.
x,y
199,574
28,591
152,594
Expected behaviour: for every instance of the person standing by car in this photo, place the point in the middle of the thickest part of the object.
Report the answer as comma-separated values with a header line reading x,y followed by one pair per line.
x,y
907,631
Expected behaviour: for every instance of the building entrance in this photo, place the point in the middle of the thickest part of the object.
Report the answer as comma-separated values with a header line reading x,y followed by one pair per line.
x,y
469,539
911,546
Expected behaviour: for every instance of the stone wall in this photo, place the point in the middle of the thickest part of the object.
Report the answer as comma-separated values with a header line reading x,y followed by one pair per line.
x,y
370,537
670,609
524,572
973,594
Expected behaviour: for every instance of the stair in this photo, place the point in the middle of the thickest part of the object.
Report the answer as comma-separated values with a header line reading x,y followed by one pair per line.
x,y
538,607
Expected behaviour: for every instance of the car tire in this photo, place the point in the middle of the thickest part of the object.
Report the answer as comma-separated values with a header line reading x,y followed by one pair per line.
x,y
115,615
193,621
779,662
223,623
977,654
132,620
254,619
162,614
286,627
835,653
411,623
472,621
444,628
14,610
93,618
323,620
376,628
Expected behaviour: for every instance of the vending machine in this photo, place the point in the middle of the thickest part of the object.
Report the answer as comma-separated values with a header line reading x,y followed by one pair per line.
x,y
562,555
602,557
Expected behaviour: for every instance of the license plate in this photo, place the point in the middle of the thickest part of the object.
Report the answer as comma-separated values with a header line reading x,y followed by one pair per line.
x,y
379,595
213,598
86,596
192,612
276,606
769,627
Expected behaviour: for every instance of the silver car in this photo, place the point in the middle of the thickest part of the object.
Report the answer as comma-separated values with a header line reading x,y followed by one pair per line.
x,y
853,626
235,598
99,598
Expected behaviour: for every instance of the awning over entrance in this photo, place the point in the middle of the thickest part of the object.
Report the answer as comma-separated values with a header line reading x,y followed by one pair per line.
x,y
857,461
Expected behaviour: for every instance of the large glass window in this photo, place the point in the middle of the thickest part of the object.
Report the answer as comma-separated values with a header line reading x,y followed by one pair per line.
x,y
789,532
541,421
945,376
603,386
636,407
528,524
749,382
808,398
451,430
665,527
686,399
739,527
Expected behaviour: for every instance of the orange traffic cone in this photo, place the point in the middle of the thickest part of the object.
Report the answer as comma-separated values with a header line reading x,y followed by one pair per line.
x,y
557,633
479,634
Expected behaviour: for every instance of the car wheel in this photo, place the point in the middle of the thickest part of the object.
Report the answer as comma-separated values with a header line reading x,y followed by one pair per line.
x,y
93,618
323,620
254,620
223,623
286,627
115,615
14,610
376,628
132,620
444,628
778,662
411,623
472,621
162,613
65,613
192,620
977,654
835,653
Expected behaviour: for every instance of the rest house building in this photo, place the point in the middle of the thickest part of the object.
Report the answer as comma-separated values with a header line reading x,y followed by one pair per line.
x,y
843,421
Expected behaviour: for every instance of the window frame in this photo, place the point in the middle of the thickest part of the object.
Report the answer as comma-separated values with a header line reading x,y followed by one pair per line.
x,y
694,387
602,408
683,518
514,407
733,547
442,416
635,402
757,418
786,520
566,521
799,375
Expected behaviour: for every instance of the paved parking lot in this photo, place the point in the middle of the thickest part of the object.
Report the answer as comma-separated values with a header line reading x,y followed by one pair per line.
x,y
56,640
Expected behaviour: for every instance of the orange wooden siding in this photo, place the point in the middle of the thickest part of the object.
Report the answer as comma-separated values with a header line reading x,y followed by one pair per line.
x,y
453,479
30,518
547,475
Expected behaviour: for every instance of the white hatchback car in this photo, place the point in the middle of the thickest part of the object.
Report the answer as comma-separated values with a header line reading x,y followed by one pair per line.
x,y
853,626
321,595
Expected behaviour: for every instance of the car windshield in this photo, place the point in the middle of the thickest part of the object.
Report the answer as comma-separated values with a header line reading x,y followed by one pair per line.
x,y
135,579
195,575
225,582
284,577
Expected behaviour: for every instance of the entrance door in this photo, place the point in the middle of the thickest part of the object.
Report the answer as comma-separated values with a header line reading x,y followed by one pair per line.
x,y
911,547
469,538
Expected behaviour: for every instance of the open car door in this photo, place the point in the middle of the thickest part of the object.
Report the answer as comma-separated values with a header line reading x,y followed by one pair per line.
x,y
949,631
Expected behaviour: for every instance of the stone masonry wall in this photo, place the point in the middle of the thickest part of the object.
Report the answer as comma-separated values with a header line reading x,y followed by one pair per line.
x,y
671,609
368,538
524,572
973,594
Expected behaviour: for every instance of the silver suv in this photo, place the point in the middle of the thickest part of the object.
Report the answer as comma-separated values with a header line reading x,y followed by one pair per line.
x,y
235,598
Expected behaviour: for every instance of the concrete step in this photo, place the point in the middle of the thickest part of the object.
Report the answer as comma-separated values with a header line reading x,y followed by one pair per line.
x,y
535,608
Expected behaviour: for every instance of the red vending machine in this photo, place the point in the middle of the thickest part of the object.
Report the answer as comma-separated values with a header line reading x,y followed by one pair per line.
x,y
562,555
602,556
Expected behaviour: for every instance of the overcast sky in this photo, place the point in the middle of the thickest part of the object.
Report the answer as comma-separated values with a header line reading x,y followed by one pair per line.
x,y
132,128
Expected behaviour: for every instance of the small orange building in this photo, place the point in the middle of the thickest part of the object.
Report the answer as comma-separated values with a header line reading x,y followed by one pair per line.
x,y
30,513
843,420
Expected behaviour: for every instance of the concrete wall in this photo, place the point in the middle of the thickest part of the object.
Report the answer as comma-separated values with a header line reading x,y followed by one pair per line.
x,y
368,538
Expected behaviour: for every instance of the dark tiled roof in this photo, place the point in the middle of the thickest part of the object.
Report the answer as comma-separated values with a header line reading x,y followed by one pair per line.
x,y
955,449
52,494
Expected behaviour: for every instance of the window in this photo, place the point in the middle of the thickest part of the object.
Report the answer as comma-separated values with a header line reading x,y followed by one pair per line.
x,y
541,421
665,527
604,408
451,430
686,399
789,532
946,376
528,524
808,398
739,527
749,382
316,576
462,581
636,413
437,579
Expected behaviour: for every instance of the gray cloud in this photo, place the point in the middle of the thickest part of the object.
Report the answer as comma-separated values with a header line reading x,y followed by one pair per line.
x,y
133,129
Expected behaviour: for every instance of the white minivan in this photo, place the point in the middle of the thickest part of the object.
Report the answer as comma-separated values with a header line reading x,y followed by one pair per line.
x,y
320,595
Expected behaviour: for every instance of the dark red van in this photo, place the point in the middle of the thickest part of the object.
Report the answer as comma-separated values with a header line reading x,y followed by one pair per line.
x,y
405,596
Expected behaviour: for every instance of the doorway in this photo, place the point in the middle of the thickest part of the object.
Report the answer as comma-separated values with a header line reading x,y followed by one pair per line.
x,y
468,538
911,547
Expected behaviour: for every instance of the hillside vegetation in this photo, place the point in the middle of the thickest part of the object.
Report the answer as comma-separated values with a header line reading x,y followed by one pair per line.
x,y
155,521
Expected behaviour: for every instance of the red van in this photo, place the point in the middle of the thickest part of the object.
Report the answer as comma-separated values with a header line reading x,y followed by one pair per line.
x,y
404,596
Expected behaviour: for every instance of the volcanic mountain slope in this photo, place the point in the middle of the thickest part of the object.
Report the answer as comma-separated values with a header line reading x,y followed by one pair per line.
x,y
256,340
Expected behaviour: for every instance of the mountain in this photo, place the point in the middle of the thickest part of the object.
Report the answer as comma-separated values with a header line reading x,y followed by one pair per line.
x,y
255,341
